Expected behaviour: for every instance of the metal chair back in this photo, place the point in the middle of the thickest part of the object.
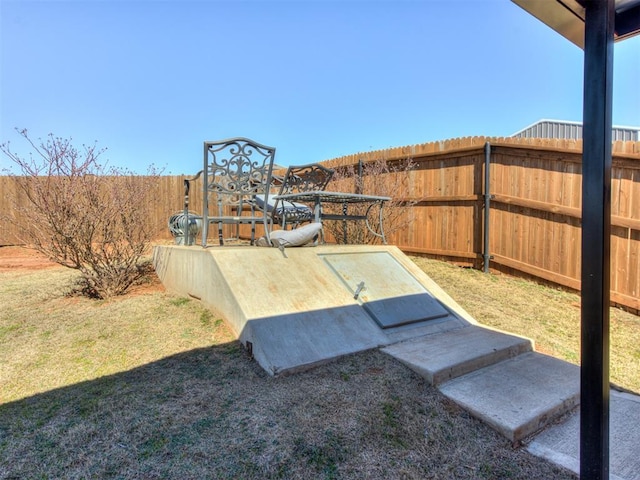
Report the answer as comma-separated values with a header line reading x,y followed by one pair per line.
x,y
236,172
306,178
299,178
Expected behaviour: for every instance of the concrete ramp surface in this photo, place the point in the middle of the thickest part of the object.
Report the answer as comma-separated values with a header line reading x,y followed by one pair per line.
x,y
314,305
387,291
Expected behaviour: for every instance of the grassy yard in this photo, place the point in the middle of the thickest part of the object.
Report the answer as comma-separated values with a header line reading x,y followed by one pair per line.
x,y
550,316
152,385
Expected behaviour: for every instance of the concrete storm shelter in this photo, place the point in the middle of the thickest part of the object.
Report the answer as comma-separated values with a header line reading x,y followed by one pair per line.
x,y
315,304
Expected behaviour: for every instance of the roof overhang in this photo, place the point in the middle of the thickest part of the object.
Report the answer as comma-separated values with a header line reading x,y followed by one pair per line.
x,y
567,17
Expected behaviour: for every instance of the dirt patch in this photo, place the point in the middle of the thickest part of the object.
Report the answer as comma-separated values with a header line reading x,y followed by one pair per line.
x,y
150,284
13,258
16,257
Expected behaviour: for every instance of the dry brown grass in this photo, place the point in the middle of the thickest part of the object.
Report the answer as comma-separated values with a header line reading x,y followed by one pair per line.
x,y
51,340
153,386
550,316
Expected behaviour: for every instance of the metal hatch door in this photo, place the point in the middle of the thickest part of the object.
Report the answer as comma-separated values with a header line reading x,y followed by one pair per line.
x,y
384,288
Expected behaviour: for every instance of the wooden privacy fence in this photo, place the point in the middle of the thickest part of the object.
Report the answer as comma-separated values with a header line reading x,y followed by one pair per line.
x,y
534,192
534,220
169,201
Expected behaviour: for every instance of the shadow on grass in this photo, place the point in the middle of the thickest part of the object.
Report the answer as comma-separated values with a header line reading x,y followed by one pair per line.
x,y
214,413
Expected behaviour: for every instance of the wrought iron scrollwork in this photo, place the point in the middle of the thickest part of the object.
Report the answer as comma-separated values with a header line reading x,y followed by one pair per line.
x,y
238,167
237,173
307,178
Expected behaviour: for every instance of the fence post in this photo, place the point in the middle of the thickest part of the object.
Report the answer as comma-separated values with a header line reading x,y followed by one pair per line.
x,y
487,205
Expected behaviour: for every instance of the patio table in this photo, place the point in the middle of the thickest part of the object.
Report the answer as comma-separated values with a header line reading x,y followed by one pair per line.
x,y
317,198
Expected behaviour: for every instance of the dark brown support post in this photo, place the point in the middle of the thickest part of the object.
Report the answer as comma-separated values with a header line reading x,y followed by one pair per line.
x,y
596,226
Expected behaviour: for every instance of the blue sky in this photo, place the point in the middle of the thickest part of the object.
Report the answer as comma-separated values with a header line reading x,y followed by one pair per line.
x,y
151,80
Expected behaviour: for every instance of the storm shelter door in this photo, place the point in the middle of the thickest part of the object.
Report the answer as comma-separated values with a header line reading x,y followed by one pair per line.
x,y
385,289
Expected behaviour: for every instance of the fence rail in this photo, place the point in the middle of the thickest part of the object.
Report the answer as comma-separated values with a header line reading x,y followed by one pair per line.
x,y
535,207
535,189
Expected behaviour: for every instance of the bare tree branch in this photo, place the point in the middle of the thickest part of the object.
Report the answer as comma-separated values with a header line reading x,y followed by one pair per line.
x,y
378,177
83,214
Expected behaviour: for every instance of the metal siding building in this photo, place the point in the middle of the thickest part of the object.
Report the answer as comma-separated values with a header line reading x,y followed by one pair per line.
x,y
572,130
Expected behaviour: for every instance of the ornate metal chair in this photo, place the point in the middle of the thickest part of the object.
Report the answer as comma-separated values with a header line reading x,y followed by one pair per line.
x,y
298,179
237,175
307,184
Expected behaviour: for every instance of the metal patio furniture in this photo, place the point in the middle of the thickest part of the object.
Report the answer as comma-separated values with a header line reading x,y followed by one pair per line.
x,y
305,185
298,179
237,177
317,198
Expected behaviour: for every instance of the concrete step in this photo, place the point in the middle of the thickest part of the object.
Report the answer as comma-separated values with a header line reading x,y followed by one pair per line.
x,y
443,356
520,396
560,443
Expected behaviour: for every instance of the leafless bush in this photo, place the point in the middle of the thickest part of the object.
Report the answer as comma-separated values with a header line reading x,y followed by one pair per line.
x,y
379,177
82,214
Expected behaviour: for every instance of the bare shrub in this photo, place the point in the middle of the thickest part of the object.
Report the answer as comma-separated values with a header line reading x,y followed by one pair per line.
x,y
83,214
379,177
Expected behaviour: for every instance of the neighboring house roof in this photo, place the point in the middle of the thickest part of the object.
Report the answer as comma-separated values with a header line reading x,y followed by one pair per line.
x,y
572,130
